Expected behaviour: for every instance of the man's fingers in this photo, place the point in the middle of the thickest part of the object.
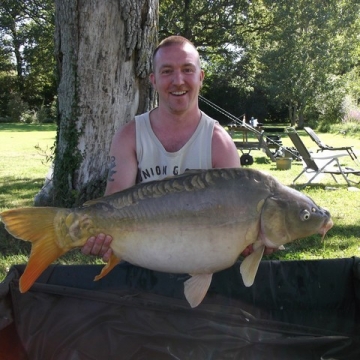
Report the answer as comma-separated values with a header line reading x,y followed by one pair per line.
x,y
107,255
105,247
86,249
247,251
97,245
269,251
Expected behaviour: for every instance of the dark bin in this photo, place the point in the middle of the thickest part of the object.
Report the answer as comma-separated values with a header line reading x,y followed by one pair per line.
x,y
273,141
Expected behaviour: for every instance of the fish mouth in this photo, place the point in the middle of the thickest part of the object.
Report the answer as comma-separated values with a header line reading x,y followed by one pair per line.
x,y
325,228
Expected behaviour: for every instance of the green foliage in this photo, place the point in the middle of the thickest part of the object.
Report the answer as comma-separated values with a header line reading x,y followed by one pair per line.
x,y
16,107
350,110
46,114
208,24
28,117
348,129
7,85
304,54
264,57
67,160
260,57
26,52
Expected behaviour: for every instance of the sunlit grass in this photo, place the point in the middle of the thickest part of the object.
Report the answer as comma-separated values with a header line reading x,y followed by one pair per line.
x,y
343,240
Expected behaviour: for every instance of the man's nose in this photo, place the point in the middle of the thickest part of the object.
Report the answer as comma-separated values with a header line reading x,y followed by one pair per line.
x,y
178,77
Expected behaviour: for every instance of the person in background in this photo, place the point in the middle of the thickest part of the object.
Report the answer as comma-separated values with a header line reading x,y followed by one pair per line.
x,y
171,138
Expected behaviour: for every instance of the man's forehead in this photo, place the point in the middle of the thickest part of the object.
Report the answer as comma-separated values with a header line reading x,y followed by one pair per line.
x,y
175,53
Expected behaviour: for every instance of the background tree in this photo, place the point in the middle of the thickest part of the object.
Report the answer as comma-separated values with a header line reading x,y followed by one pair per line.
x,y
274,55
7,76
225,33
306,53
265,56
26,33
103,51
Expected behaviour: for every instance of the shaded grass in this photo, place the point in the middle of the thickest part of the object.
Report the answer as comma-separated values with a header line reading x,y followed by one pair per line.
x,y
23,168
20,127
18,192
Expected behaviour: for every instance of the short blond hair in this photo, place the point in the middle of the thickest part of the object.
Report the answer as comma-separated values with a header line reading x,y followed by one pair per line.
x,y
173,40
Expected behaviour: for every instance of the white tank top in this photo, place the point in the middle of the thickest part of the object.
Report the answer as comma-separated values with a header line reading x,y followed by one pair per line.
x,y
155,163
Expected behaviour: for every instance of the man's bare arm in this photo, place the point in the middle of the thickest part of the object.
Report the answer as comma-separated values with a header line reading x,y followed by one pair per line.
x,y
224,152
121,175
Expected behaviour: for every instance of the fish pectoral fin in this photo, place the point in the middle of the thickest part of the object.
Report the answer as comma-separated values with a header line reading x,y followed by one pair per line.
x,y
113,261
257,244
196,288
250,265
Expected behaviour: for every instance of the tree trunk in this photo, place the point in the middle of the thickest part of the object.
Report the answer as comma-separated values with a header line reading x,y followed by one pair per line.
x,y
103,51
301,120
291,113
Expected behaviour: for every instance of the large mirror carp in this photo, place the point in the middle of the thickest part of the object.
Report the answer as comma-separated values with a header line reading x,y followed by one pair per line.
x,y
196,223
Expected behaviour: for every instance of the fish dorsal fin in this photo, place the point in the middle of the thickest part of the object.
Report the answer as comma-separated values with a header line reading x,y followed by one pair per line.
x,y
190,180
93,202
250,265
196,288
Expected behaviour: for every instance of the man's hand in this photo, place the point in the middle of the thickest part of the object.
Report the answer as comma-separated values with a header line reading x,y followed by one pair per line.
x,y
98,245
249,249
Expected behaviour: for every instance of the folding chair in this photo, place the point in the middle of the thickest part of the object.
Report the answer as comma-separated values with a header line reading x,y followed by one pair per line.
x,y
329,164
323,146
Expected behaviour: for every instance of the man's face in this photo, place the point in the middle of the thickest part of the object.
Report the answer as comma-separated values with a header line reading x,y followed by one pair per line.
x,y
177,77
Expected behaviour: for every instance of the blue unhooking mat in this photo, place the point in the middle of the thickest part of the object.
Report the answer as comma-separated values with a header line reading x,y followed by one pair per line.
x,y
295,310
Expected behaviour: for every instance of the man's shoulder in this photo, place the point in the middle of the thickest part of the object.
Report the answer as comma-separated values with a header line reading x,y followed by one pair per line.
x,y
208,118
126,131
142,117
220,134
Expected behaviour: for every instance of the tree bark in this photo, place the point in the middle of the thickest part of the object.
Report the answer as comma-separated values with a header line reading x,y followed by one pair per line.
x,y
103,51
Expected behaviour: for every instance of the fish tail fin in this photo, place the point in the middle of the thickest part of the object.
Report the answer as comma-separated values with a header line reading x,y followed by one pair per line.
x,y
35,225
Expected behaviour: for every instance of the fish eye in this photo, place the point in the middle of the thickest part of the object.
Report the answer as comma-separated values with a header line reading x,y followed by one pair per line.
x,y
305,215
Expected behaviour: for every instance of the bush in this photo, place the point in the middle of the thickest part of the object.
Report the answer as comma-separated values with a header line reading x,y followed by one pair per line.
x,y
46,114
324,126
42,115
4,120
351,111
16,107
28,117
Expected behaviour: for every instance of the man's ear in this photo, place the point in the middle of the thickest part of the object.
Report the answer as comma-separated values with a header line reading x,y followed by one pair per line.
x,y
202,75
152,80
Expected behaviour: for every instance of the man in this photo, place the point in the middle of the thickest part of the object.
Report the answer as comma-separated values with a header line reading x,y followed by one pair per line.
x,y
171,138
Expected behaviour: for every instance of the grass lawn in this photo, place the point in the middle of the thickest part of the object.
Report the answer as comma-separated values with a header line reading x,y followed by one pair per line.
x,y
23,167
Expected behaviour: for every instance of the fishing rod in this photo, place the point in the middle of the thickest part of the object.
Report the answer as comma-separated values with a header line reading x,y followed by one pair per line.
x,y
241,122
222,111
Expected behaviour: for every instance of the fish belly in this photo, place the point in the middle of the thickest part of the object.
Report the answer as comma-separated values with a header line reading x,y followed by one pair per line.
x,y
173,249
